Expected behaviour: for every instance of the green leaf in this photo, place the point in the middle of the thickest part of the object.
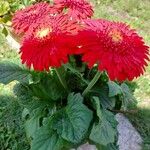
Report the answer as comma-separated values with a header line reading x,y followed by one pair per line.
x,y
35,109
97,106
46,139
4,7
111,146
2,39
73,122
114,89
26,2
10,72
102,92
128,98
5,32
48,88
75,78
109,116
16,5
33,123
31,126
25,113
104,131
29,101
75,71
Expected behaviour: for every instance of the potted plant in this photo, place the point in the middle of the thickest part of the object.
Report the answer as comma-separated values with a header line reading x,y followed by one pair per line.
x,y
73,73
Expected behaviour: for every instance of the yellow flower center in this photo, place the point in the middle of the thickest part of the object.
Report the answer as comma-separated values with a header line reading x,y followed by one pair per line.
x,y
116,36
43,32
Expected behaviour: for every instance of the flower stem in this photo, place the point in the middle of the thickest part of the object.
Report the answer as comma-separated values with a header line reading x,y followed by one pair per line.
x,y
92,83
61,79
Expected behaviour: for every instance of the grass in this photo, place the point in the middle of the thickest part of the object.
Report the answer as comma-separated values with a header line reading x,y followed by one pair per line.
x,y
12,135
136,13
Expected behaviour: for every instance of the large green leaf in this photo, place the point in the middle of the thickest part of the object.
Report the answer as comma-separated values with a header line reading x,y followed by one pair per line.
x,y
73,122
102,92
35,108
104,131
114,89
33,123
46,139
128,98
4,7
48,88
11,71
29,101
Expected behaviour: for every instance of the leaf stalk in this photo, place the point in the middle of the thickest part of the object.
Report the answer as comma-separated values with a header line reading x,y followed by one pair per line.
x,y
92,83
61,79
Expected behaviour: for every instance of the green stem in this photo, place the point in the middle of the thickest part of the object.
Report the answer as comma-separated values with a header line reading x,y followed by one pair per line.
x,y
92,83
61,79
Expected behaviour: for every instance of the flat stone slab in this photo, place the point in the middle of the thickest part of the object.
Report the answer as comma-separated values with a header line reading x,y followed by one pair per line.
x,y
129,138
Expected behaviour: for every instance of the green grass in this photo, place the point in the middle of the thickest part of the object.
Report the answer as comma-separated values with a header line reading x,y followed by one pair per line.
x,y
141,122
12,135
134,12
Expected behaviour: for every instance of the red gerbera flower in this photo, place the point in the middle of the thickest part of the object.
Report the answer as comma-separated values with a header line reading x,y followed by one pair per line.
x,y
76,9
24,18
44,44
117,49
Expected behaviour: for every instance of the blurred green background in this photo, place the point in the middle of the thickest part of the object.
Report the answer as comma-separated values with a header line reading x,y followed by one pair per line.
x,y
134,12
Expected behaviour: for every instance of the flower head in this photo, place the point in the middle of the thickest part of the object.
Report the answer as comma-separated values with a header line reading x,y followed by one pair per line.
x,y
76,9
44,43
116,49
24,18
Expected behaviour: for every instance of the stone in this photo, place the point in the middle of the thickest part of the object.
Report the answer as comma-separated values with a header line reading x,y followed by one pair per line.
x,y
128,137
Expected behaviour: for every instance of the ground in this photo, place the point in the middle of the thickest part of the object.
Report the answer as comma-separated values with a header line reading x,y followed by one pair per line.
x,y
137,14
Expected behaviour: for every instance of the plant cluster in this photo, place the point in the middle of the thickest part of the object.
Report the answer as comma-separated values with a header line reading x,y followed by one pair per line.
x,y
75,73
